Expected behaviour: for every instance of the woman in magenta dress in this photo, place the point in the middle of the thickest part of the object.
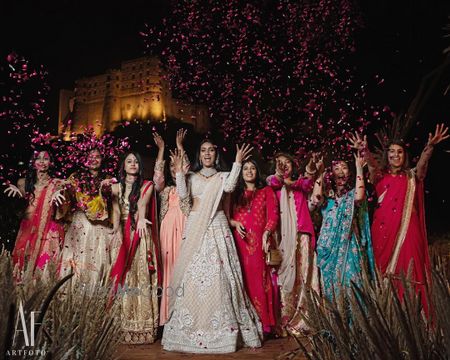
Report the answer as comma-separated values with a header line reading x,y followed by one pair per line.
x,y
173,214
40,237
298,270
398,229
254,218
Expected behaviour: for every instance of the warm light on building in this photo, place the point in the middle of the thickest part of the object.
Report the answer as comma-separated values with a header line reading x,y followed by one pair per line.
x,y
135,91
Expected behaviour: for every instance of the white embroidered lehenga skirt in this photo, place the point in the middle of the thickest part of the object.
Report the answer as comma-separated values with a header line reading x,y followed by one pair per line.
x,y
211,312
86,251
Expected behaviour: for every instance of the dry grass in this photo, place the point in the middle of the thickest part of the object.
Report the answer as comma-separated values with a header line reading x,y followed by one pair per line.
x,y
75,325
372,323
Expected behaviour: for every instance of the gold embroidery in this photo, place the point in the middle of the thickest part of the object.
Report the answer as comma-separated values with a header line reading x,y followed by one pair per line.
x,y
406,217
159,165
185,204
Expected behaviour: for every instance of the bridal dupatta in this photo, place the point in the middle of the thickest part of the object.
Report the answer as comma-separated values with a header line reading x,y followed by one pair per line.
x,y
130,244
193,237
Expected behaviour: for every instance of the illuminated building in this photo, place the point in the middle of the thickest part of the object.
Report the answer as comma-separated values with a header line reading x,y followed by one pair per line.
x,y
135,91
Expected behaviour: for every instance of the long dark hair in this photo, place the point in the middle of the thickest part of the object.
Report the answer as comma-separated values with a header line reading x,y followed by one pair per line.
x,y
31,173
168,179
219,164
238,195
295,173
135,192
385,160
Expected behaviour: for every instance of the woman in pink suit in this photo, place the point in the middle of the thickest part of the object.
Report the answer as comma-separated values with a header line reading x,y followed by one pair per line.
x,y
398,229
173,214
254,218
298,271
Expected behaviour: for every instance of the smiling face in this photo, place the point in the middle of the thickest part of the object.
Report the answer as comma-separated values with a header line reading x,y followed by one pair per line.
x,y
131,165
94,160
42,161
396,156
341,173
249,172
208,154
287,164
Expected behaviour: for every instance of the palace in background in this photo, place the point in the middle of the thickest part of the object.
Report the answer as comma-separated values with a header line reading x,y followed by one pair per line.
x,y
135,91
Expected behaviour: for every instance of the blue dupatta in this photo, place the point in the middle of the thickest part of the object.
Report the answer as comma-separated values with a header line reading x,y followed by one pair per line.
x,y
344,244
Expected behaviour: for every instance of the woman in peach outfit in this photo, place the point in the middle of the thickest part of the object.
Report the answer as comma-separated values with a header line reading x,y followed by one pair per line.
x,y
173,214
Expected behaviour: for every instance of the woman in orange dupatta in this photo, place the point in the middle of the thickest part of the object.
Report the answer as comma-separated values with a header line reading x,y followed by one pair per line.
x,y
135,269
398,229
40,237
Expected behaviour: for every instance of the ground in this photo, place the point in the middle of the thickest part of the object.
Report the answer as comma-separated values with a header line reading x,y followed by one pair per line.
x,y
271,349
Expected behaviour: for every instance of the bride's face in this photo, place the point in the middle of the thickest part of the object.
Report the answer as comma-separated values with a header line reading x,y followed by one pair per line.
x,y
208,154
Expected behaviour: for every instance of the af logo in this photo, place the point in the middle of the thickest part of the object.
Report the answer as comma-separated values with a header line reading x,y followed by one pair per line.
x,y
21,326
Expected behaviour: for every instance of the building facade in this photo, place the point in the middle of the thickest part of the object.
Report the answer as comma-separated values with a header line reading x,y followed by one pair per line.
x,y
136,91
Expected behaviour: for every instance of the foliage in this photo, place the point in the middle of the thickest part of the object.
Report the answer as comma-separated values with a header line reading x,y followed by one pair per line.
x,y
75,324
371,322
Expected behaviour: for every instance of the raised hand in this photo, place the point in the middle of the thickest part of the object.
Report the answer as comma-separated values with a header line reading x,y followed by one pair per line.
x,y
311,167
58,198
186,165
181,134
360,162
357,142
176,157
12,191
159,141
243,153
440,134
142,227
320,166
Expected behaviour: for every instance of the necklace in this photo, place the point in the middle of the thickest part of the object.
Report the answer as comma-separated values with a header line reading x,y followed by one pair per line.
x,y
207,172
43,181
250,203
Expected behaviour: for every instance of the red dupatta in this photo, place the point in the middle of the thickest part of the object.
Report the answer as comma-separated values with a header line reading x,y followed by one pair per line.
x,y
390,218
130,244
31,237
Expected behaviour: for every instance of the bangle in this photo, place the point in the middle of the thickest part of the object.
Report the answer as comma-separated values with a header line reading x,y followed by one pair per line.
x,y
309,172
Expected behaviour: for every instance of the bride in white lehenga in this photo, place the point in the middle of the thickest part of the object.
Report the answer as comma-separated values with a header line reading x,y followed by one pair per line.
x,y
209,311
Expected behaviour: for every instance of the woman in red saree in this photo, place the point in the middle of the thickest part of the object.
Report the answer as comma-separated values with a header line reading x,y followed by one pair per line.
x,y
40,237
398,229
254,218
135,237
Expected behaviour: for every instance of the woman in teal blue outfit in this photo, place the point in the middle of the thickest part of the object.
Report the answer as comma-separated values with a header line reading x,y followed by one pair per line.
x,y
344,244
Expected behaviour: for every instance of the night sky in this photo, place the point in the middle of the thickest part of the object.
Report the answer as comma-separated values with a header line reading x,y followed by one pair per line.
x,y
401,42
